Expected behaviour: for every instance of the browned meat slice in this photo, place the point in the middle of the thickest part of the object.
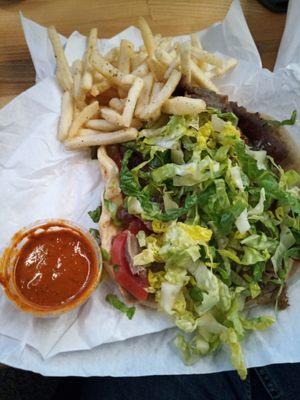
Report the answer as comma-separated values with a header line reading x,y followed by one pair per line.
x,y
260,134
269,296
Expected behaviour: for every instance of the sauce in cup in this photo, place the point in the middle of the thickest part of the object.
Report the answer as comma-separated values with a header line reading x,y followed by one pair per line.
x,y
51,268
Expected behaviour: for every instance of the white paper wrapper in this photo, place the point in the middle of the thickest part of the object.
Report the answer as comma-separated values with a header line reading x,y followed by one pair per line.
x,y
289,50
39,179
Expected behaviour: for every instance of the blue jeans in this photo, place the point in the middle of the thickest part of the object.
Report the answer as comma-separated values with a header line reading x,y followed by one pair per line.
x,y
280,381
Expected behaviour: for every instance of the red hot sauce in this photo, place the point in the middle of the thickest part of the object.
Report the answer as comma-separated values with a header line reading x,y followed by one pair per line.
x,y
54,267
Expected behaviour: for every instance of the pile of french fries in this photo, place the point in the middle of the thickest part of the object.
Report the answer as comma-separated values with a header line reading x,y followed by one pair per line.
x,y
107,98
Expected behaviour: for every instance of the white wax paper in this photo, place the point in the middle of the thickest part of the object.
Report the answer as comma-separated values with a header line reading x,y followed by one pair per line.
x,y
39,180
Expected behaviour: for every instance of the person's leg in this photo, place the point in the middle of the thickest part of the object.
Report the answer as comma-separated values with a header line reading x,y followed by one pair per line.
x,y
224,386
282,381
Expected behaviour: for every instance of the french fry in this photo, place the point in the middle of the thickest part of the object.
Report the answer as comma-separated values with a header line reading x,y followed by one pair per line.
x,y
110,72
195,41
147,36
126,51
183,106
141,71
88,131
162,96
174,64
87,113
117,104
157,69
112,55
144,98
63,69
201,79
133,95
100,87
91,47
164,43
101,125
209,58
163,56
87,81
157,86
227,65
157,37
137,59
77,69
185,61
137,85
97,76
112,116
101,139
66,116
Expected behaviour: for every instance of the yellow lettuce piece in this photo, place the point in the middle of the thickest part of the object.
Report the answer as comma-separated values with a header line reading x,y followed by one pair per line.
x,y
196,232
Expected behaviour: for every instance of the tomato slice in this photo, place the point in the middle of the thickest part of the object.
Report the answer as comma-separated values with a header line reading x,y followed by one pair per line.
x,y
137,225
134,284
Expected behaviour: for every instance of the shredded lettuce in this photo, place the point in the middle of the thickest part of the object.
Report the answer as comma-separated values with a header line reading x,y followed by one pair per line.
x,y
225,221
119,305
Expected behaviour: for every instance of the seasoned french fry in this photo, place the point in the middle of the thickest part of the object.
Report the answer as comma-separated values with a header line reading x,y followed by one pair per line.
x,y
157,69
201,79
87,113
185,61
133,95
137,85
195,40
126,51
137,59
66,116
110,72
144,98
117,104
147,36
141,71
63,69
91,47
112,116
174,64
101,125
112,55
100,139
162,96
183,106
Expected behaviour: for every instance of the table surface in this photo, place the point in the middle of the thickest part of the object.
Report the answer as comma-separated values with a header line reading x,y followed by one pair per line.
x,y
168,17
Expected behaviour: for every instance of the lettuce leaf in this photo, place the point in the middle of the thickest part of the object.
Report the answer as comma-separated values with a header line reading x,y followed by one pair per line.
x,y
286,241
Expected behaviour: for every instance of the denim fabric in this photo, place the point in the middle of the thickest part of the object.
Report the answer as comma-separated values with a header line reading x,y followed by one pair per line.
x,y
276,382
